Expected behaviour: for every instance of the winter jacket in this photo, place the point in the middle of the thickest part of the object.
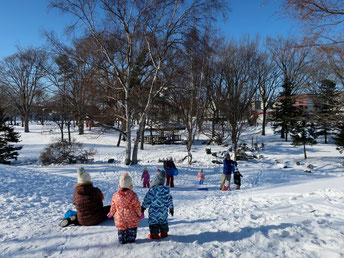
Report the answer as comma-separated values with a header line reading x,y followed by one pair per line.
x,y
125,206
145,176
229,166
159,201
88,201
170,168
237,179
200,177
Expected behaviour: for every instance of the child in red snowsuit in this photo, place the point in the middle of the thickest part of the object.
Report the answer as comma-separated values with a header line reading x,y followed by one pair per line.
x,y
126,210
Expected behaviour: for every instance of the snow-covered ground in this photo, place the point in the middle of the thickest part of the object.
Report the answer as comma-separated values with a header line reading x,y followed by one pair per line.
x,y
279,212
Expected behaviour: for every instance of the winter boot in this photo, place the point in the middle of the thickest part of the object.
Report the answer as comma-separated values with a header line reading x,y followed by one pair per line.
x,y
155,236
71,220
164,234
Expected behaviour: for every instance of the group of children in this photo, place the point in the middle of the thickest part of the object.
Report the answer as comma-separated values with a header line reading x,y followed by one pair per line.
x,y
127,211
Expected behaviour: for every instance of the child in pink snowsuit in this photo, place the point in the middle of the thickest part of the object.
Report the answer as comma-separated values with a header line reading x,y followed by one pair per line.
x,y
201,177
145,177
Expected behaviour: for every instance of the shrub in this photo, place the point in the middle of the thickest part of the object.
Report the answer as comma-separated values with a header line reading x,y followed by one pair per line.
x,y
63,152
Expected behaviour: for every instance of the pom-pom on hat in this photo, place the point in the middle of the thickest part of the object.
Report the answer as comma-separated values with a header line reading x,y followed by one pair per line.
x,y
83,176
125,181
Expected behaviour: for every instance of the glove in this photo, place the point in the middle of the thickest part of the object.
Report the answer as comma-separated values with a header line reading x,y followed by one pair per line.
x,y
110,215
171,212
143,209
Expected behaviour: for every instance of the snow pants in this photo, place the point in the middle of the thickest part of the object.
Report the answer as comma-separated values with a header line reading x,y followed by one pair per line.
x,y
169,181
127,236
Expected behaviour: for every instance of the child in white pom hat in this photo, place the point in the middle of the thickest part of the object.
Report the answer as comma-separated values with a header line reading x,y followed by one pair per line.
x,y
126,210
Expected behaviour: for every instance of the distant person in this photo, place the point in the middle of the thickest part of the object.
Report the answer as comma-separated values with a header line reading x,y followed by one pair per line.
x,y
228,169
171,171
237,178
126,210
145,177
200,177
88,201
159,201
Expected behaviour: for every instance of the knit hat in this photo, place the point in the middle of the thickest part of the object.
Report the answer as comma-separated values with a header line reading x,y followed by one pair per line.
x,y
125,181
236,169
159,179
83,176
201,171
227,155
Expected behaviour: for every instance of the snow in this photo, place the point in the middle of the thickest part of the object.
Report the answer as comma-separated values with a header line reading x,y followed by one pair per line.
x,y
281,211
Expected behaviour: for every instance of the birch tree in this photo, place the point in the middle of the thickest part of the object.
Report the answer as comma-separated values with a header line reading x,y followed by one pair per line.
x,y
153,25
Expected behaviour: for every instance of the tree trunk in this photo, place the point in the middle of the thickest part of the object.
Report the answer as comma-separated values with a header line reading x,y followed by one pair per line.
x,y
119,139
26,123
137,139
189,147
143,136
282,132
325,134
286,134
264,121
81,126
304,151
69,133
61,130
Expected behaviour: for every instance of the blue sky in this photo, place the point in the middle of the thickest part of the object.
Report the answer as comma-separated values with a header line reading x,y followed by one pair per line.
x,y
23,21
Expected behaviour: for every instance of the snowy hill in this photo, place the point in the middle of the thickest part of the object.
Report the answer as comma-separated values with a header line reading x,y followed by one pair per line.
x,y
279,212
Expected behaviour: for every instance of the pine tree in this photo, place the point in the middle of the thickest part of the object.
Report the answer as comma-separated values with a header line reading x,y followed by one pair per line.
x,y
339,139
284,110
326,104
303,133
7,135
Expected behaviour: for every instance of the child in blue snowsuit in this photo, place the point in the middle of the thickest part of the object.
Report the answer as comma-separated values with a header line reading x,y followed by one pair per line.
x,y
159,201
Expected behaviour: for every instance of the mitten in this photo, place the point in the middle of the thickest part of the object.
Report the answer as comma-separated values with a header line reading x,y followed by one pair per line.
x,y
110,215
171,212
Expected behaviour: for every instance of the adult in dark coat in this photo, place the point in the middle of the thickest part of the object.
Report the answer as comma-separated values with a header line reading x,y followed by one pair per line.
x,y
228,168
88,201
170,169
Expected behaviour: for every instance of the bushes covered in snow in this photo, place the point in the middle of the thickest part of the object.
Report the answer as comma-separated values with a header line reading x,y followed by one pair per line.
x,y
63,152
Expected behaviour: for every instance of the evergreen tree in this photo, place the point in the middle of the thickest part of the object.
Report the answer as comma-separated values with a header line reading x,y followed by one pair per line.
x,y
284,110
303,133
339,139
326,104
7,135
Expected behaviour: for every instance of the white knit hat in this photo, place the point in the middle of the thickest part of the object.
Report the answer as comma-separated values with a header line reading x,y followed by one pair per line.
x,y
125,181
83,176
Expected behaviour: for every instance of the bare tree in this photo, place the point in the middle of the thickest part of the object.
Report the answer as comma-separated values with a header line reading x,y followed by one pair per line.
x,y
294,67
21,77
238,85
322,20
152,25
268,77
189,96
